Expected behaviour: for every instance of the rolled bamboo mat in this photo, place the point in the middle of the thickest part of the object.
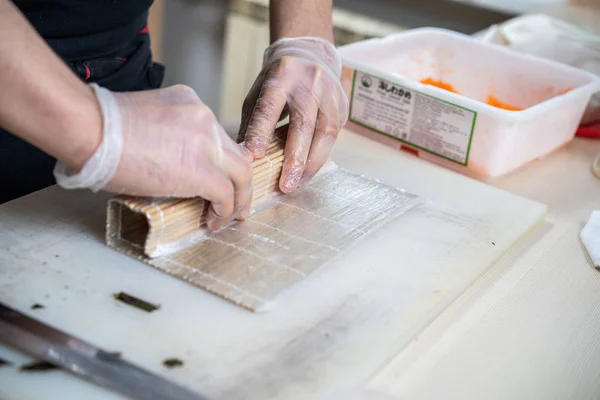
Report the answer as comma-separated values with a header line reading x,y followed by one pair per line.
x,y
281,243
156,226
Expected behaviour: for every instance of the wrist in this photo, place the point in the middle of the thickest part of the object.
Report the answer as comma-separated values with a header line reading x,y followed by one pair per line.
x,y
292,18
96,154
308,47
325,34
82,128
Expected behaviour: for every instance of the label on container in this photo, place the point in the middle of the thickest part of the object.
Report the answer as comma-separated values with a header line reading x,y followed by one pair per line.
x,y
422,121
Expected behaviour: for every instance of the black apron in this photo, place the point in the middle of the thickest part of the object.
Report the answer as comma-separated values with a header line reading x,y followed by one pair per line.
x,y
127,67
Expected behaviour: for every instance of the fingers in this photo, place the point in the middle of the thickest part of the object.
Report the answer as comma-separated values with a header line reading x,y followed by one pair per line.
x,y
239,171
303,116
320,148
333,113
234,163
248,107
247,154
265,116
219,190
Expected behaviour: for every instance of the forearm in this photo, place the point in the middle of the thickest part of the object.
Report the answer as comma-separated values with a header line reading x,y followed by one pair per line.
x,y
293,18
41,100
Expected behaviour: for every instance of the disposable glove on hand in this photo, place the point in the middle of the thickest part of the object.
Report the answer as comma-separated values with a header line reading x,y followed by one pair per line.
x,y
300,77
166,142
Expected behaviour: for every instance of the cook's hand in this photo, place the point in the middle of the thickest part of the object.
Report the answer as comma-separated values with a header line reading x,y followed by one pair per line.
x,y
300,76
166,142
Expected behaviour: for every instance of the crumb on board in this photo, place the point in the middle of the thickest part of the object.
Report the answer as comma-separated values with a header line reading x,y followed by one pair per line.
x,y
494,243
39,366
135,302
172,363
37,306
5,363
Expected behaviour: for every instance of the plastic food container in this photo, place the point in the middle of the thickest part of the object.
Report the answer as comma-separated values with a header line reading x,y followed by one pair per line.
x,y
461,131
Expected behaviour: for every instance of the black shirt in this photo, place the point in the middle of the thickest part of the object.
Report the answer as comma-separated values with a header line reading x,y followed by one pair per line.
x,y
79,29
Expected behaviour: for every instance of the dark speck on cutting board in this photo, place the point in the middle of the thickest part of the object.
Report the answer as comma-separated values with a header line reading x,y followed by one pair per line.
x,y
172,363
57,256
37,306
5,363
135,302
493,243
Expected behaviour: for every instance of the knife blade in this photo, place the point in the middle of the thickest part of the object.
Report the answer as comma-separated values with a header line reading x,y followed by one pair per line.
x,y
85,360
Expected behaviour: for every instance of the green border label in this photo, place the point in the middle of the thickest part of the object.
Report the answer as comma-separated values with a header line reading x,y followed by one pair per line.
x,y
405,141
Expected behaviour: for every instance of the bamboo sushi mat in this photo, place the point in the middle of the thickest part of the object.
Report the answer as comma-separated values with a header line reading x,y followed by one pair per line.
x,y
282,242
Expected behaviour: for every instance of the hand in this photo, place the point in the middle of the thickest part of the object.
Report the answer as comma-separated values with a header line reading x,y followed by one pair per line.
x,y
300,76
166,142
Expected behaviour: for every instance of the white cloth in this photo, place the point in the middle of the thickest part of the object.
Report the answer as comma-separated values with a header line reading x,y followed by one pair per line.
x,y
590,236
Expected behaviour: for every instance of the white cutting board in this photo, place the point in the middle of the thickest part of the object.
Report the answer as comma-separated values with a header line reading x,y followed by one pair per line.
x,y
324,337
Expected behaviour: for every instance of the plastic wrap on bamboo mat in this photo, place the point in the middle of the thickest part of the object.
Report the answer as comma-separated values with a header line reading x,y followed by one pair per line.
x,y
282,242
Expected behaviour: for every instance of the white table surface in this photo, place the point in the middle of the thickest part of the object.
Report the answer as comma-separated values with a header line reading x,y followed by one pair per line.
x,y
530,328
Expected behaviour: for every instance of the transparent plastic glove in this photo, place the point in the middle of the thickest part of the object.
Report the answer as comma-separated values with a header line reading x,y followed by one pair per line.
x,y
166,142
300,77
